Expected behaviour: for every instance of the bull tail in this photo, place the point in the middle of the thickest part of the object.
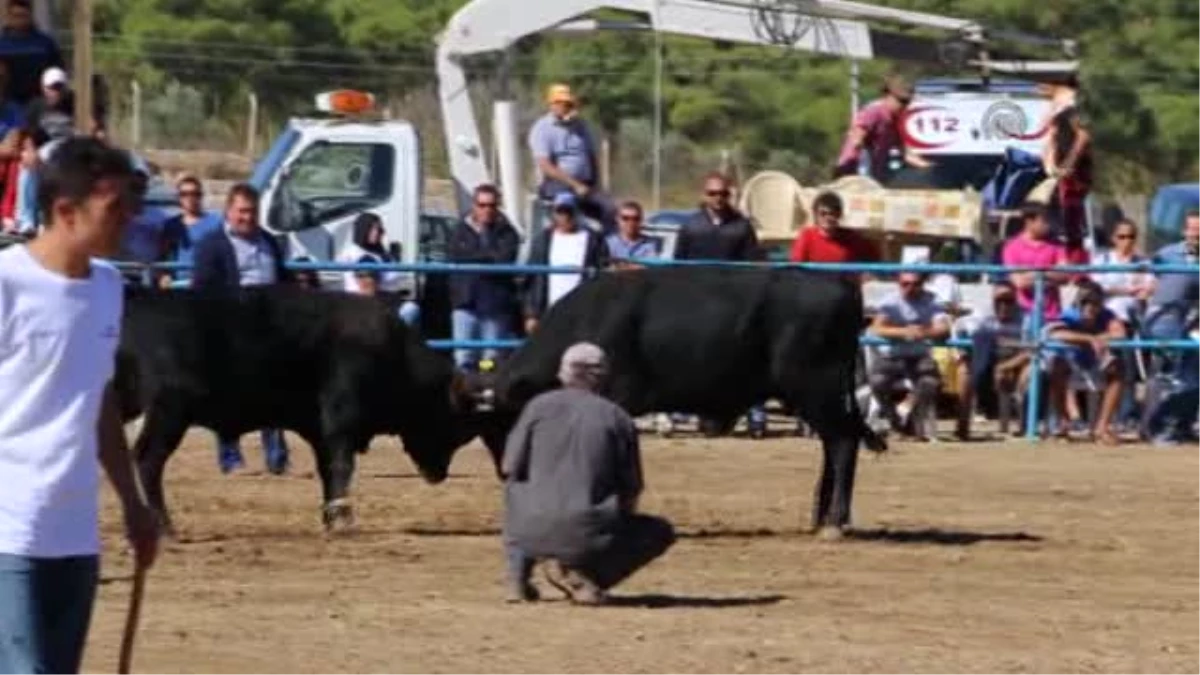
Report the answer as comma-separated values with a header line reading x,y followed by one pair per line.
x,y
873,440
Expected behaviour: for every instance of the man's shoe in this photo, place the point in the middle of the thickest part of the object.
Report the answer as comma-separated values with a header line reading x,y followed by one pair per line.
x,y
522,592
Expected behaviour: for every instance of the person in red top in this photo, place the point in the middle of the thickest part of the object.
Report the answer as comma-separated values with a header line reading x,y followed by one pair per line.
x,y
826,241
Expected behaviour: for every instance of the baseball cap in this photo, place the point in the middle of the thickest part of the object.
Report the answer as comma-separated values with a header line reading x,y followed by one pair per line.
x,y
53,76
564,200
559,93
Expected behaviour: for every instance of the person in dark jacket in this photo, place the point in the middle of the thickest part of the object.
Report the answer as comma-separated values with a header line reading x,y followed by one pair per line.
x,y
241,254
564,244
718,231
484,305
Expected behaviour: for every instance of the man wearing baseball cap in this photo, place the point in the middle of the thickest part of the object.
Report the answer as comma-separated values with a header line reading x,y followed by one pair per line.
x,y
54,112
564,151
876,129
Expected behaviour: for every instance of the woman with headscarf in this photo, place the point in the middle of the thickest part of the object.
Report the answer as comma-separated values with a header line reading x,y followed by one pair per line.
x,y
367,242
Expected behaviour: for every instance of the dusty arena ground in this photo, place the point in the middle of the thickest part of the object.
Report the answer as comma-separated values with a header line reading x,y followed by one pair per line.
x,y
982,557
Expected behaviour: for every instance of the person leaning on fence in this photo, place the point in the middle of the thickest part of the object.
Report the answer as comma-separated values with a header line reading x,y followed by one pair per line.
x,y
181,232
241,254
369,282
1086,329
572,478
628,243
1032,247
1127,293
1171,417
907,319
483,306
996,364
827,241
563,244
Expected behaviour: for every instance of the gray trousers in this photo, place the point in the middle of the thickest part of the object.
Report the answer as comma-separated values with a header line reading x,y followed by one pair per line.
x,y
639,541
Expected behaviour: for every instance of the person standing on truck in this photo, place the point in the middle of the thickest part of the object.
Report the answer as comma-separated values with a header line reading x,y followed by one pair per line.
x,y
1068,157
565,153
876,129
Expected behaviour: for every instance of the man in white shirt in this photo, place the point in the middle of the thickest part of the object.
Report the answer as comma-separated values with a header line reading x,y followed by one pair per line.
x,y
563,244
60,322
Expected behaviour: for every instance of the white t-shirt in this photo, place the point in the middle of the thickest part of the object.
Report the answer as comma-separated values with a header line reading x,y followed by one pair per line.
x,y
566,250
58,343
1126,307
388,281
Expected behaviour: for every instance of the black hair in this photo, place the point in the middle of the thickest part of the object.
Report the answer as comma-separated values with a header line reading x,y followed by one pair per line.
x,y
1090,293
486,189
75,167
1031,211
243,190
829,200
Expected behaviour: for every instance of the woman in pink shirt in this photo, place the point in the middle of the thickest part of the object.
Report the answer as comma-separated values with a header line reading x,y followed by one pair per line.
x,y
1033,248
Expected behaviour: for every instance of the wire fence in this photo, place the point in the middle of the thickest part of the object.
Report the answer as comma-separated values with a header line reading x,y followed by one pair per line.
x,y
1038,343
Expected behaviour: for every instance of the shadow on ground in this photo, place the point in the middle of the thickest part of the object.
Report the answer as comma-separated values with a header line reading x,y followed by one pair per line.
x,y
938,536
660,601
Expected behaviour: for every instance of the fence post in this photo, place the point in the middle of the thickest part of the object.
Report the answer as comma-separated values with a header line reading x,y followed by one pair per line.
x,y
252,125
135,88
1034,402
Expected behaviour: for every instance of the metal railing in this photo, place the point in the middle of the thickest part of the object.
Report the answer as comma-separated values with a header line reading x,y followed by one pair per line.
x,y
1038,344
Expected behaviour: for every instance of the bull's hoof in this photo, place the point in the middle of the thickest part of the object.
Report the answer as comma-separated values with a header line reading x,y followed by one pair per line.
x,y
830,533
166,529
338,518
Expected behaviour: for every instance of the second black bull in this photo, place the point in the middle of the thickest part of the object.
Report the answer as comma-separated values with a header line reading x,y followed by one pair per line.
x,y
712,341
337,369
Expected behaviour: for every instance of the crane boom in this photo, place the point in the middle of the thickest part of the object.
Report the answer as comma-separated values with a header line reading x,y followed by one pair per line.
x,y
831,27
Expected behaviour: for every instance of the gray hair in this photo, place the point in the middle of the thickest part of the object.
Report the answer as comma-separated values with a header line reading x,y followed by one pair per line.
x,y
583,366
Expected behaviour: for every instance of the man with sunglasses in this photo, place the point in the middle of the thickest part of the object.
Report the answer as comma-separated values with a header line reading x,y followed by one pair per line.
x,y
565,153
826,241
995,363
908,318
876,129
184,230
719,232
484,306
628,243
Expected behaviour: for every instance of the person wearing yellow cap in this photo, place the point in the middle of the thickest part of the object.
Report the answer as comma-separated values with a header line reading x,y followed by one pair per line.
x,y
565,153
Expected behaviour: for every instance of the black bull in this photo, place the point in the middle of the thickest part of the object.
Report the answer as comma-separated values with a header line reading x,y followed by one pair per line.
x,y
712,342
336,369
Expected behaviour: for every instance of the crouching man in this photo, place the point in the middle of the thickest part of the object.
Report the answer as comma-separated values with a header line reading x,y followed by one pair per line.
x,y
573,474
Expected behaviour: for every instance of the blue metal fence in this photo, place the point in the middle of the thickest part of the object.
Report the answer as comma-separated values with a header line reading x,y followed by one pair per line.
x,y
1038,343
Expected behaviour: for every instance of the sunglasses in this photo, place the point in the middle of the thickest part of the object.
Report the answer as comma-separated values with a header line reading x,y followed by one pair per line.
x,y
486,205
629,218
826,213
564,209
190,193
717,193
906,284
1123,236
1004,300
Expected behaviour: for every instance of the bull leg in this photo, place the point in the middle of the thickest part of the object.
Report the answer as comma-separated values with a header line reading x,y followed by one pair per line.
x,y
161,434
824,491
335,463
842,452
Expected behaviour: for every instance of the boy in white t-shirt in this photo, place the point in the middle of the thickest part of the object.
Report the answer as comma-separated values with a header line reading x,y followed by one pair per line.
x,y
60,321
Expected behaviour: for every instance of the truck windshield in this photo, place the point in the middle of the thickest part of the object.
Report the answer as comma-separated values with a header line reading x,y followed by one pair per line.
x,y
268,166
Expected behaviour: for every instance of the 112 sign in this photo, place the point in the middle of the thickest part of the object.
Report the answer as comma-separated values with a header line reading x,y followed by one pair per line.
x,y
929,127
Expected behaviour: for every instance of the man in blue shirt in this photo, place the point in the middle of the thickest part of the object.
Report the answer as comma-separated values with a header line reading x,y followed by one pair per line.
x,y
1171,419
183,231
29,52
628,242
565,153
1087,328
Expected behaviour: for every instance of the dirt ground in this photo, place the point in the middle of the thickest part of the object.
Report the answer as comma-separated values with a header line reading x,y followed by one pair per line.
x,y
983,557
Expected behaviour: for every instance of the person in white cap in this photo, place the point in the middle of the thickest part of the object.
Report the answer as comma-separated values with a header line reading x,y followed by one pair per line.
x,y
573,474
54,112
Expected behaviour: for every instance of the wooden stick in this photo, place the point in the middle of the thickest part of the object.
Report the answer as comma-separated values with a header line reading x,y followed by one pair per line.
x,y
131,620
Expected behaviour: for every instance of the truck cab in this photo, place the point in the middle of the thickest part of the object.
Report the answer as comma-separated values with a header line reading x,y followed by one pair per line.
x,y
325,169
